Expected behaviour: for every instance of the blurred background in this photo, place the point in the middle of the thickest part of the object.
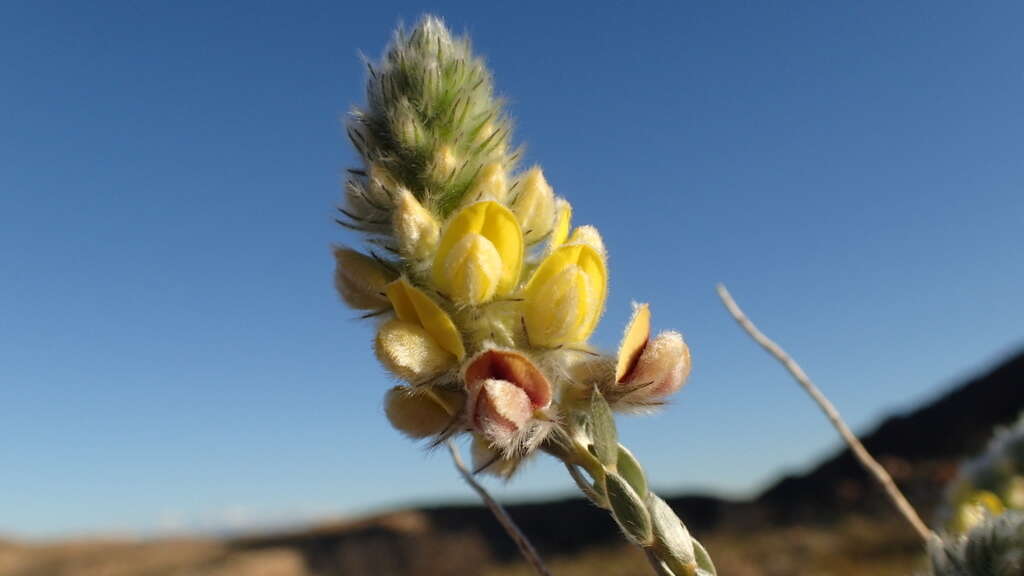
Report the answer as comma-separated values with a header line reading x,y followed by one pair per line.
x,y
182,392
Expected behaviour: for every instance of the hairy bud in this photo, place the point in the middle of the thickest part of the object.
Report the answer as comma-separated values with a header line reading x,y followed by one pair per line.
x,y
480,254
534,206
650,369
360,279
419,413
416,229
490,184
565,297
505,390
410,352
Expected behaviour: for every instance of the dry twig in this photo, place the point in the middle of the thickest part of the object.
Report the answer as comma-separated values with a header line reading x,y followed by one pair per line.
x,y
525,548
866,460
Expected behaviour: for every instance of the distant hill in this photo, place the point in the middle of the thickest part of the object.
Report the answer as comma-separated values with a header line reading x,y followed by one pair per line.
x,y
829,520
921,450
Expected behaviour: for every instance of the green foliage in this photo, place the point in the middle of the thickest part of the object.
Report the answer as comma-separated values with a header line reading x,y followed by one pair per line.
x,y
432,120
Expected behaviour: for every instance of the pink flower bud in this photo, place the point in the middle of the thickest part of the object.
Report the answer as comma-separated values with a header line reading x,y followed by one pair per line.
x,y
505,389
662,367
499,409
649,370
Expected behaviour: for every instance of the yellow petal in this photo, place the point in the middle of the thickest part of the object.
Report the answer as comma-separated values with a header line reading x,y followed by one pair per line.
x,y
499,227
565,297
633,341
563,220
360,279
410,352
474,270
413,306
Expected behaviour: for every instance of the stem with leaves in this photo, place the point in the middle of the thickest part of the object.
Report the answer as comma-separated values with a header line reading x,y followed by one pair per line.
x,y
611,478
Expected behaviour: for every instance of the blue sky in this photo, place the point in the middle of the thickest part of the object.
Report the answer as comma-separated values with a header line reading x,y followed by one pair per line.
x,y
172,354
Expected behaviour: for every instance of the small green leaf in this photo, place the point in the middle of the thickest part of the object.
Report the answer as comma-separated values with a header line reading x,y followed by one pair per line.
x,y
629,510
703,558
672,541
602,431
630,469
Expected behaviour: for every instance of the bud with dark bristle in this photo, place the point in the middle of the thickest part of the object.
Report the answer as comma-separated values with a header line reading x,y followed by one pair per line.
x,y
431,118
421,413
416,229
534,205
360,280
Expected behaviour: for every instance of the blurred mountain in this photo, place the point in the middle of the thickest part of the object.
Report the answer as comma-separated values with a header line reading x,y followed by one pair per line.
x,y
831,519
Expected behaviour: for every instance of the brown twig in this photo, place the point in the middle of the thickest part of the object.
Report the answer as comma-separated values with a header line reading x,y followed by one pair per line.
x,y
525,548
865,458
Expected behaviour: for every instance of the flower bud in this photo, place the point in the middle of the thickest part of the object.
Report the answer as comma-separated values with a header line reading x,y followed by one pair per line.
x,y
534,206
382,184
590,236
413,306
490,184
973,511
407,128
408,351
565,297
419,413
563,220
1013,493
416,229
360,280
658,367
486,135
505,389
499,409
480,254
444,164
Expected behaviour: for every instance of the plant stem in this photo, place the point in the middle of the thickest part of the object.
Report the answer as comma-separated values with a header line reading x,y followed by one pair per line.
x,y
525,548
863,456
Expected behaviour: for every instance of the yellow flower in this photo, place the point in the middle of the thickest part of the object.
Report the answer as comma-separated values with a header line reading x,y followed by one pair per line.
x,y
565,297
534,206
414,307
480,254
416,229
360,279
563,220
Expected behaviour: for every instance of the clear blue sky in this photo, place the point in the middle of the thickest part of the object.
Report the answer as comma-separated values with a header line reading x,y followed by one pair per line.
x,y
172,354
